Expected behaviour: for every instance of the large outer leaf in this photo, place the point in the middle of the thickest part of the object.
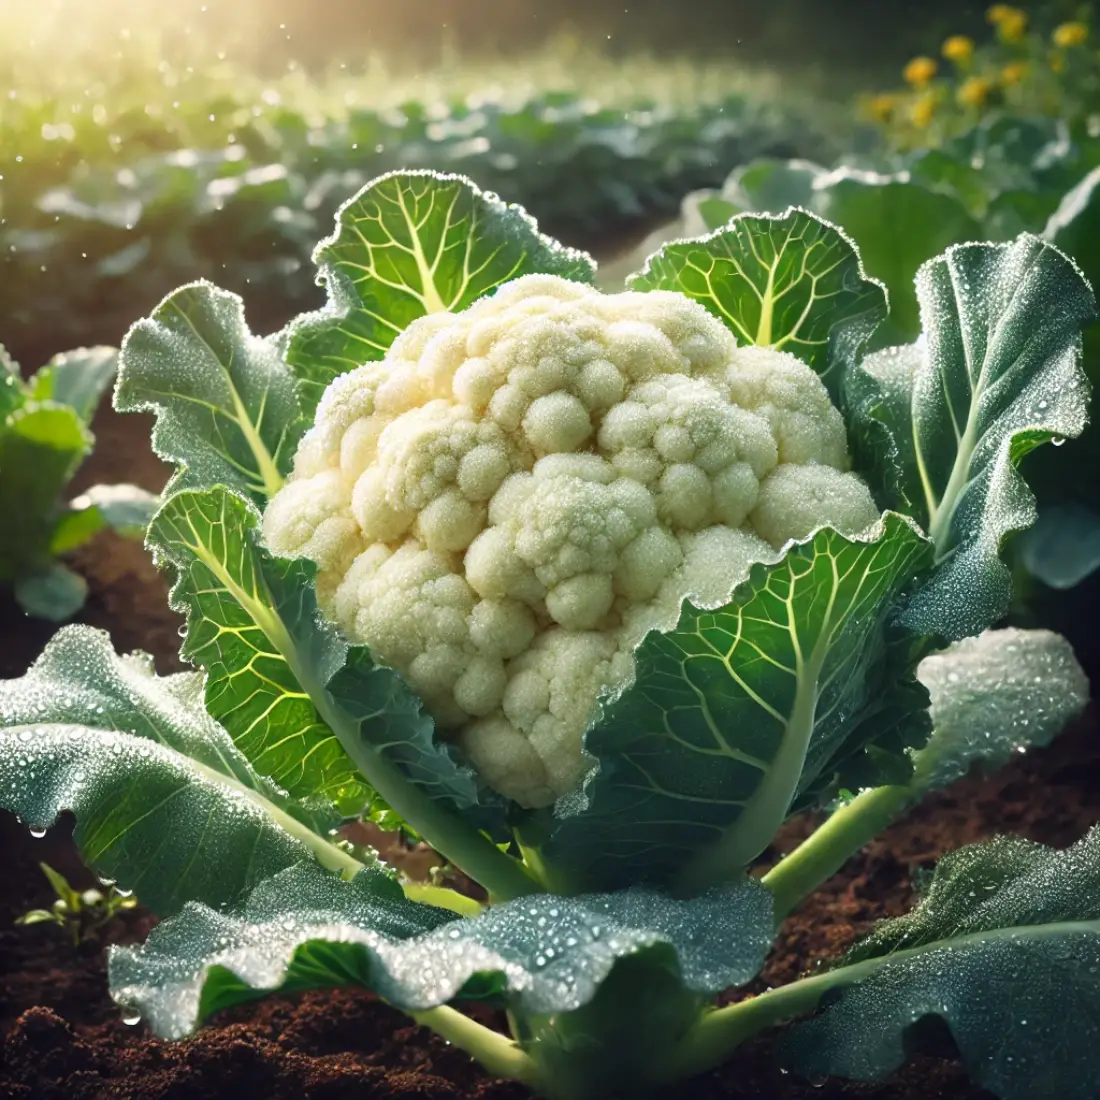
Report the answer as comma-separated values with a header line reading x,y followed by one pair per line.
x,y
791,282
948,422
898,225
409,244
227,410
1000,693
735,712
41,446
76,378
1005,948
305,929
254,626
164,802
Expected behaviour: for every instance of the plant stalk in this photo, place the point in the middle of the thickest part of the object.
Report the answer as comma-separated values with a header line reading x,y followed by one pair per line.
x,y
501,1056
822,854
442,898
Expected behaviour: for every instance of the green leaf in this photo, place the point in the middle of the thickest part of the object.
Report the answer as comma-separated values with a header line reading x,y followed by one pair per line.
x,y
55,594
791,282
995,695
409,244
898,226
304,929
12,390
254,626
41,447
1004,948
77,379
126,509
768,186
998,375
164,802
735,712
1063,548
226,406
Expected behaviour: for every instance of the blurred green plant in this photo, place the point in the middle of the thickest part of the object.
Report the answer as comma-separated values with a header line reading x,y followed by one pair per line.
x,y
80,914
44,437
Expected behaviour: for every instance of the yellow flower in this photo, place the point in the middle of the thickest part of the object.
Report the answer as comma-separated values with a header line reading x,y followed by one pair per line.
x,y
1013,73
919,71
959,48
1069,35
974,92
882,107
924,110
1013,26
1000,13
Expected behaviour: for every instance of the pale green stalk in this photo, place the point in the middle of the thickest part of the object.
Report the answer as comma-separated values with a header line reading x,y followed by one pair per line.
x,y
823,853
501,1056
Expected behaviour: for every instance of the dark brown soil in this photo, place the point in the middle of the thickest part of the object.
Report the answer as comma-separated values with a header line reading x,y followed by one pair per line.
x,y
62,1036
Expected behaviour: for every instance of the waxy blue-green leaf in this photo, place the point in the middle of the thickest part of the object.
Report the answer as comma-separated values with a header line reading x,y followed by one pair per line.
x,y
164,803
55,593
125,509
549,954
409,244
1004,947
735,712
226,402
276,670
76,378
1000,693
1063,548
998,373
791,282
41,446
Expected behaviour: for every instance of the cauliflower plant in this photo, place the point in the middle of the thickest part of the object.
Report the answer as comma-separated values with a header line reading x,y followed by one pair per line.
x,y
505,505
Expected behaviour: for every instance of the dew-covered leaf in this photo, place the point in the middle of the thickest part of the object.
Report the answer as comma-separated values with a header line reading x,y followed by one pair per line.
x,y
276,672
735,712
947,422
226,402
547,954
1004,947
995,695
164,802
76,378
409,244
792,282
41,446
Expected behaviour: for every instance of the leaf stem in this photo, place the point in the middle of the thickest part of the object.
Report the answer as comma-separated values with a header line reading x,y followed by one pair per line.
x,y
442,898
501,1056
829,847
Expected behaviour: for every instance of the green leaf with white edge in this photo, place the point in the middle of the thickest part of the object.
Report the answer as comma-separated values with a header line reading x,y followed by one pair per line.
x,y
226,403
276,670
769,186
125,509
41,447
164,803
55,594
1004,941
1063,548
997,374
76,378
993,696
409,244
734,713
791,282
304,929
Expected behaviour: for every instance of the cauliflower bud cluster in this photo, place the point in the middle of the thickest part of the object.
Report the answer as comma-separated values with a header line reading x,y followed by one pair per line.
x,y
505,505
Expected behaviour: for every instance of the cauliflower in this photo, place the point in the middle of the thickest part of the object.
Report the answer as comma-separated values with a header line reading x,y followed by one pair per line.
x,y
507,504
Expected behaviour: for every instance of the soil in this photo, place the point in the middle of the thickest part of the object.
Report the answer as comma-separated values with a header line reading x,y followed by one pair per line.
x,y
63,1037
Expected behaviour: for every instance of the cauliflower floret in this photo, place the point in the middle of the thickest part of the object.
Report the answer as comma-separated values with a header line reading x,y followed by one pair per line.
x,y
507,504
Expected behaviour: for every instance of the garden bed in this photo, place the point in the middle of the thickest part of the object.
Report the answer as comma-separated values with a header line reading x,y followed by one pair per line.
x,y
63,1037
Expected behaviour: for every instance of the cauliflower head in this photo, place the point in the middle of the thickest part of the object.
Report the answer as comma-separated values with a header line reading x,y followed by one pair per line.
x,y
505,505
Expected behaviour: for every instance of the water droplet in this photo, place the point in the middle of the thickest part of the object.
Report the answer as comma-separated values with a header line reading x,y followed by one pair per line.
x,y
123,893
130,1017
37,832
